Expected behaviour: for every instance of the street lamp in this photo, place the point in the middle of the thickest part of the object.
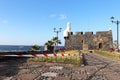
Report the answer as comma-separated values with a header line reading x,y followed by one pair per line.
x,y
57,31
116,22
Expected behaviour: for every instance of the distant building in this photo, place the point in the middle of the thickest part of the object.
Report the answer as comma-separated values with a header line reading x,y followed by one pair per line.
x,y
88,41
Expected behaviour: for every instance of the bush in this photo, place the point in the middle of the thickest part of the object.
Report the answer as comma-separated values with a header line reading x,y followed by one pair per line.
x,y
75,60
35,47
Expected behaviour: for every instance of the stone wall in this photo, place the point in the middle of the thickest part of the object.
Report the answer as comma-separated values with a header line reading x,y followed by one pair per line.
x,y
88,41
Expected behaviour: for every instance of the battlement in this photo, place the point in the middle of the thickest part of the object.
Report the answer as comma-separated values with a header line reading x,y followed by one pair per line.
x,y
101,33
88,33
84,41
79,33
91,33
104,32
87,40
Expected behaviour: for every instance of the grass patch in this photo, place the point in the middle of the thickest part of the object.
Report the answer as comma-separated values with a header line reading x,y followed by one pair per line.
x,y
112,55
75,60
69,52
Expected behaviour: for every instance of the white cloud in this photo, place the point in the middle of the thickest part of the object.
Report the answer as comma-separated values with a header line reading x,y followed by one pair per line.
x,y
59,16
62,16
3,21
53,15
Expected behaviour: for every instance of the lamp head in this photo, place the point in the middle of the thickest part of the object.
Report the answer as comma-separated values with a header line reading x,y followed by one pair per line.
x,y
54,29
60,29
112,18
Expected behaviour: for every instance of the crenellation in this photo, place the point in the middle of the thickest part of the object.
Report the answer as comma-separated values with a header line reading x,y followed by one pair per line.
x,y
88,33
101,32
88,41
79,33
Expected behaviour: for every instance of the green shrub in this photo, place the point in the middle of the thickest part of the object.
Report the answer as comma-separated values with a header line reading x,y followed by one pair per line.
x,y
75,60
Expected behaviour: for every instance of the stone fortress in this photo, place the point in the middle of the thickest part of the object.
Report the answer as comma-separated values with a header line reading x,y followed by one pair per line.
x,y
88,41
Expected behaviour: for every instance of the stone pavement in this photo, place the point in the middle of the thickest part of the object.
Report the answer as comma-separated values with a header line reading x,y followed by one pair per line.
x,y
96,68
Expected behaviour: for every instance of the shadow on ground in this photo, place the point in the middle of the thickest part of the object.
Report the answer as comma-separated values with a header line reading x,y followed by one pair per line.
x,y
9,66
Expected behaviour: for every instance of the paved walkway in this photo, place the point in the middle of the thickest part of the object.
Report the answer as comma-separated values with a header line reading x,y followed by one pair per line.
x,y
101,68
96,68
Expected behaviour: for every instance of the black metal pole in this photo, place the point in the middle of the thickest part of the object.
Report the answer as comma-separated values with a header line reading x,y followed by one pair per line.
x,y
118,35
57,39
57,35
116,22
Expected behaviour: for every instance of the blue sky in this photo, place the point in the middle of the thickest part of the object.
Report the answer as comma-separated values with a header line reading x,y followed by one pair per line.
x,y
29,22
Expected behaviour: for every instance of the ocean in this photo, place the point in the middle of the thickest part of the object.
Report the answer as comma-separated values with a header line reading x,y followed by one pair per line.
x,y
19,47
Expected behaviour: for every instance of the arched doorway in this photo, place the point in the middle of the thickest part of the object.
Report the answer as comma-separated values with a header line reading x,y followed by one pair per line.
x,y
100,45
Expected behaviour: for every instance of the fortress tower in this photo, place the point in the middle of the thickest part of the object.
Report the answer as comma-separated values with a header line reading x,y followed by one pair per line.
x,y
88,41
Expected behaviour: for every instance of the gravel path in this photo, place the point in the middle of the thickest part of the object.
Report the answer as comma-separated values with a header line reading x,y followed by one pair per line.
x,y
96,68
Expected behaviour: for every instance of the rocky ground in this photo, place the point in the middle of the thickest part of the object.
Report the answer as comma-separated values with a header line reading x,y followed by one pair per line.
x,y
95,68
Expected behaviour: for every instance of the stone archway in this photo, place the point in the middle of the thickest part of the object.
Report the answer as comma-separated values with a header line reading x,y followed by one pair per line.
x,y
100,45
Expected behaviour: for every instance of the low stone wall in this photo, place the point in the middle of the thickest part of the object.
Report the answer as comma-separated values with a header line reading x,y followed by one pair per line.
x,y
23,52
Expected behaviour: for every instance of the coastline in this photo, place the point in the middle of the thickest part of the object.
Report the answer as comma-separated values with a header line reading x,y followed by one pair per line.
x,y
19,48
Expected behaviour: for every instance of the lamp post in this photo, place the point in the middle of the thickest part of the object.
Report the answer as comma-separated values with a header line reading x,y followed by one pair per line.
x,y
57,31
116,22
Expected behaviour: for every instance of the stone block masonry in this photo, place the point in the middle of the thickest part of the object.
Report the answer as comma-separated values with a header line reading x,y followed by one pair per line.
x,y
88,41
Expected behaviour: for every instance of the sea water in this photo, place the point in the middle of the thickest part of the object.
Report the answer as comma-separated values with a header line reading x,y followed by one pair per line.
x,y
20,47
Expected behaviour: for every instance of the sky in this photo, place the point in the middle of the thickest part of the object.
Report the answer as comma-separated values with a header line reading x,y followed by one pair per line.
x,y
29,22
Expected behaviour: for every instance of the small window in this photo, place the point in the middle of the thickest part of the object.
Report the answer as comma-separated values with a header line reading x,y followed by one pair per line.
x,y
82,41
92,32
81,32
